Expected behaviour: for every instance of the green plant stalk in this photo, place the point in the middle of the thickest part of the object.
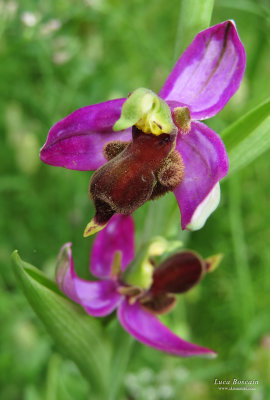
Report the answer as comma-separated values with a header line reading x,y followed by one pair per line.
x,y
195,16
120,360
244,288
52,378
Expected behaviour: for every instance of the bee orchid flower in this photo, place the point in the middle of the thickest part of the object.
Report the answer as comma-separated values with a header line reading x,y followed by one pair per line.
x,y
131,285
146,144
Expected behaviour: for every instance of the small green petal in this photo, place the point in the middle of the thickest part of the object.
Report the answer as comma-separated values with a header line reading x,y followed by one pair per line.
x,y
213,262
140,272
147,111
92,227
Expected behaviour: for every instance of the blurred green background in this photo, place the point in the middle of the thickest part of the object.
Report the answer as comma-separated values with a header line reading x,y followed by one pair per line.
x,y
57,56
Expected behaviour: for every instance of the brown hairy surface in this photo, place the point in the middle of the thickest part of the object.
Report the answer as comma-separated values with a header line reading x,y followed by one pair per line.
x,y
146,166
112,149
160,304
170,175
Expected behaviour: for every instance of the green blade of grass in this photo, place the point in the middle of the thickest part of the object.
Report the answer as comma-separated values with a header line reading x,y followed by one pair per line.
x,y
248,137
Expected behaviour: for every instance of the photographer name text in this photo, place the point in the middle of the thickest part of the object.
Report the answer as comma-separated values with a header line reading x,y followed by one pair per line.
x,y
235,382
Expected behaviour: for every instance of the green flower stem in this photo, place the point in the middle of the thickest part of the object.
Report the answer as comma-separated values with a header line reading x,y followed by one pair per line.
x,y
243,287
120,361
52,378
195,15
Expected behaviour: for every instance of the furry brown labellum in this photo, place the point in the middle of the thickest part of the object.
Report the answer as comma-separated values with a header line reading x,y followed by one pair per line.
x,y
137,171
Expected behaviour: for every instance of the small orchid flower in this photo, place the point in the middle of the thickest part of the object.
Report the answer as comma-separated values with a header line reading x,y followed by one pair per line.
x,y
148,144
133,286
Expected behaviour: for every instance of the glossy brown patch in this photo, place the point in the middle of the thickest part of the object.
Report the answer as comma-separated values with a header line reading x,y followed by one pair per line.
x,y
127,180
160,304
178,273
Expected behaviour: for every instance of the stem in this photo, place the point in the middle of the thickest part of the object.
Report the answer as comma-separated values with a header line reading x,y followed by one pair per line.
x,y
244,292
195,15
199,15
123,344
52,378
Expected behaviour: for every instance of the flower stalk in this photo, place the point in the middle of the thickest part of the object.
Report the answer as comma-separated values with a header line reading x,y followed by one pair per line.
x,y
194,16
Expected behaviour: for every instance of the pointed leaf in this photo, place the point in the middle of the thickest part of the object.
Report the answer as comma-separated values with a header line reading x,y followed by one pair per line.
x,y
76,333
248,137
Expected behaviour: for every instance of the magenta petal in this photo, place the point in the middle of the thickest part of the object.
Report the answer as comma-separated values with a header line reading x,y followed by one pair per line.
x,y
98,298
118,235
76,142
146,328
64,272
209,72
206,162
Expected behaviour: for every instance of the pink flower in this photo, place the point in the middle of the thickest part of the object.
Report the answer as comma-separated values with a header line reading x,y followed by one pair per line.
x,y
137,307
203,80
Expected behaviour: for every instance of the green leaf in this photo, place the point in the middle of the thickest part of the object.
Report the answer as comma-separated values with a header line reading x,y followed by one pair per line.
x,y
248,137
76,333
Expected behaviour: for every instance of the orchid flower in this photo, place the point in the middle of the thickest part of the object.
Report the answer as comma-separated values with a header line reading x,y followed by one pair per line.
x,y
133,286
148,144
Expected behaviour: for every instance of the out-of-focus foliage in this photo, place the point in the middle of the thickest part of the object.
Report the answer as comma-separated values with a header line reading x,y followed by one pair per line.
x,y
57,56
248,137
